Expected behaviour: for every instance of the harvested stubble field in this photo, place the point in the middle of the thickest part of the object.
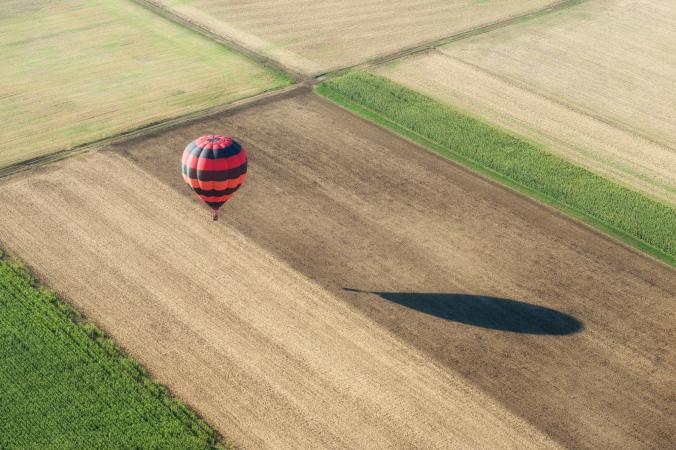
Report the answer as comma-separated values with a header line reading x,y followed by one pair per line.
x,y
594,82
318,36
491,321
78,71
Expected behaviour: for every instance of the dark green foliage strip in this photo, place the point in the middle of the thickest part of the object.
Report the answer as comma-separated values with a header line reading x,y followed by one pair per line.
x,y
629,215
64,385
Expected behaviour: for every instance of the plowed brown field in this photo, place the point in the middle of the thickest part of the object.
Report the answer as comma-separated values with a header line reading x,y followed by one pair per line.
x,y
250,320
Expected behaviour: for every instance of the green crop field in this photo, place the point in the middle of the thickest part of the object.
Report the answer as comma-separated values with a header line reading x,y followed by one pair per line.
x,y
64,385
619,211
76,71
608,107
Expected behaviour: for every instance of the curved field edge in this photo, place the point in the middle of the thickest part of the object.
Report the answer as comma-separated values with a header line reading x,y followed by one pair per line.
x,y
619,212
65,384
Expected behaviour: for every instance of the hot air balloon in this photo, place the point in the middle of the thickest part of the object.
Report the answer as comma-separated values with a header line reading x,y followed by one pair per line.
x,y
215,167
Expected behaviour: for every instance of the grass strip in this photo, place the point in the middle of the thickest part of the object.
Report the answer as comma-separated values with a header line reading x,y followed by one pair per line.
x,y
63,384
620,212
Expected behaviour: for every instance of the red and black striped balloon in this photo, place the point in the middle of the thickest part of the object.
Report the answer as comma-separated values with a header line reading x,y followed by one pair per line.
x,y
215,167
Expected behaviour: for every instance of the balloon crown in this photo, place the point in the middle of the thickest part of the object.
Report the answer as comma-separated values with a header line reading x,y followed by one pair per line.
x,y
214,141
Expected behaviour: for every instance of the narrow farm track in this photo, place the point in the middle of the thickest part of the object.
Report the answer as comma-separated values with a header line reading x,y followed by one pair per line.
x,y
230,43
150,128
343,298
310,39
95,69
481,29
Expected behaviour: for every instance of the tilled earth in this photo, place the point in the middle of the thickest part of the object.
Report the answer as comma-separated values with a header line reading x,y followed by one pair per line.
x,y
358,291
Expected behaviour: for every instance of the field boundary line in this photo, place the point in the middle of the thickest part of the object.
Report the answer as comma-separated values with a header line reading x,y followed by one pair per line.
x,y
371,62
124,363
222,40
576,216
300,80
433,44
147,129
571,107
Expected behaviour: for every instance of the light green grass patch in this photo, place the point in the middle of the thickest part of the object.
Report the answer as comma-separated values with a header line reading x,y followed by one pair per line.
x,y
623,213
77,71
65,385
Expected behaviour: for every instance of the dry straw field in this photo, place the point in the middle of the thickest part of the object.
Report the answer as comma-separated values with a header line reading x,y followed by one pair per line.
x,y
594,83
317,36
385,297
78,71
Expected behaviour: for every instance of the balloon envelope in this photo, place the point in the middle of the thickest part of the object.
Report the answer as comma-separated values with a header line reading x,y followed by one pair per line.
x,y
215,167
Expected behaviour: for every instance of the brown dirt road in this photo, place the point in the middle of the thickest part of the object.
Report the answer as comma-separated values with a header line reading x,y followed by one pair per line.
x,y
249,322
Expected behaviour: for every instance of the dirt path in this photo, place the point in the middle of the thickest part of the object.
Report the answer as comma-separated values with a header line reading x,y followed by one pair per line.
x,y
250,322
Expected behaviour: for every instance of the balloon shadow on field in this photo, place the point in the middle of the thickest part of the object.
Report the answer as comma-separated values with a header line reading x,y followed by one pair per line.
x,y
486,312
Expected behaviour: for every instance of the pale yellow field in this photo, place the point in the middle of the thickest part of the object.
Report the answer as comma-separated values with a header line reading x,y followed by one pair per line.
x,y
596,83
318,36
77,71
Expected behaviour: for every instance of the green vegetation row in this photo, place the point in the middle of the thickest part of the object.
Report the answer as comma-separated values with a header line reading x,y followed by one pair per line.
x,y
65,385
629,215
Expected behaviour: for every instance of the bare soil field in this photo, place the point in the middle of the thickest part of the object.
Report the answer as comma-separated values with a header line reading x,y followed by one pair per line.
x,y
593,82
318,36
79,71
358,292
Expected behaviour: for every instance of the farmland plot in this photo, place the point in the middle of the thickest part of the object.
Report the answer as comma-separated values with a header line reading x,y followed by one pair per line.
x,y
621,212
594,82
317,36
343,297
64,385
268,356
77,71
